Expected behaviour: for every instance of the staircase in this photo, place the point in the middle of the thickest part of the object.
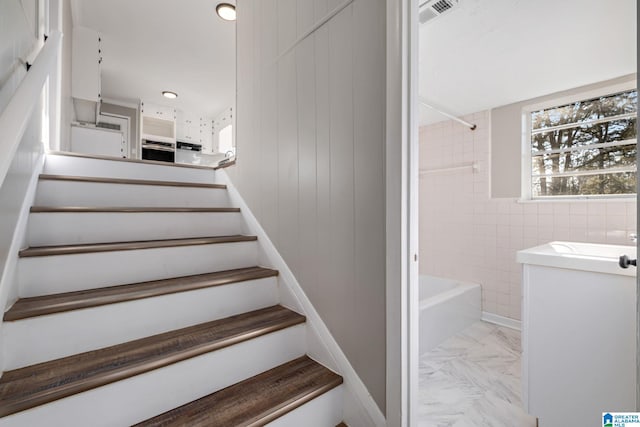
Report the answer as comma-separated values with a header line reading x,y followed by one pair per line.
x,y
141,301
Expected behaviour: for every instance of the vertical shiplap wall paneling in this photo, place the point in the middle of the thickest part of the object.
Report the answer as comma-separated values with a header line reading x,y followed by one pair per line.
x,y
323,160
307,271
369,117
268,172
287,135
256,155
311,168
342,190
246,93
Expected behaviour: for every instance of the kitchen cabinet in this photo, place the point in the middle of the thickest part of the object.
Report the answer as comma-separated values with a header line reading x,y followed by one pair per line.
x,y
206,136
195,129
85,64
187,127
156,111
158,123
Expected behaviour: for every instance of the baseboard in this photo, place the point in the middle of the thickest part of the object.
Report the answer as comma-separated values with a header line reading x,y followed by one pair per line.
x,y
360,409
507,322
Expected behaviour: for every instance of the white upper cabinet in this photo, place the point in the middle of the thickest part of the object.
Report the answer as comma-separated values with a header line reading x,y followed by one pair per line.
x,y
157,111
196,129
85,64
188,127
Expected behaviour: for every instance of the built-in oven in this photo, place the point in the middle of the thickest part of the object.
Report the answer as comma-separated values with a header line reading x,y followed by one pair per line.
x,y
159,151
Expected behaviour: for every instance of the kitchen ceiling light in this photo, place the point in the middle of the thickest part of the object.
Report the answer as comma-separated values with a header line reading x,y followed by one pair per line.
x,y
169,94
226,11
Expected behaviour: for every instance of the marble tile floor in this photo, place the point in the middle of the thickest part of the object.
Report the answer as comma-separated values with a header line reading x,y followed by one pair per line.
x,y
473,380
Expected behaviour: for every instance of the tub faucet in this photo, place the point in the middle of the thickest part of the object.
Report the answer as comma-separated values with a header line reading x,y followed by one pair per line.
x,y
633,237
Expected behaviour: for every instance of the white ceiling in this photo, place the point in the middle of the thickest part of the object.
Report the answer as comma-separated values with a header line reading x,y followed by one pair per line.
x,y
488,53
153,45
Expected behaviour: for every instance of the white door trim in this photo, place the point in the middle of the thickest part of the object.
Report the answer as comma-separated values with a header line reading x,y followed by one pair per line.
x,y
402,212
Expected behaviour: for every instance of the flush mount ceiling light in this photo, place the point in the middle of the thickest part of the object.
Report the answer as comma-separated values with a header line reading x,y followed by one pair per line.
x,y
169,94
226,11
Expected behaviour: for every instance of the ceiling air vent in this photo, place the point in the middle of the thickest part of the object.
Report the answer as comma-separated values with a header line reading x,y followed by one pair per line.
x,y
433,8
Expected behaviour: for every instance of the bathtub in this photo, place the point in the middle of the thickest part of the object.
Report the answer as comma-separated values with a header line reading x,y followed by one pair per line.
x,y
446,308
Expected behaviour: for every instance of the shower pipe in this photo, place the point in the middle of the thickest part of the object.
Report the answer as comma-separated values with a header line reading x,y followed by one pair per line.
x,y
471,126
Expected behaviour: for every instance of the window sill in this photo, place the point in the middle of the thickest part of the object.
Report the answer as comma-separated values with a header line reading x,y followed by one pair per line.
x,y
581,199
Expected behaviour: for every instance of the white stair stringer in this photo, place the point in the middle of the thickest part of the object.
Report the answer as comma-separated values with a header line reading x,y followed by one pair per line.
x,y
143,396
57,228
83,166
43,338
46,275
97,194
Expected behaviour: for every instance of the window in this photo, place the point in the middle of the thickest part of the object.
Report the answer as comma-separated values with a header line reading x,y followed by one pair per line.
x,y
585,148
225,140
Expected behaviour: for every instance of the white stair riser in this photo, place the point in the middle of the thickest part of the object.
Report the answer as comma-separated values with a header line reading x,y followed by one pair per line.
x,y
78,166
323,411
44,338
96,227
66,273
73,193
137,398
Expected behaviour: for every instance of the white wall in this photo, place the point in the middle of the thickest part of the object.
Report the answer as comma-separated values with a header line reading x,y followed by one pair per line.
x,y
310,144
465,234
19,22
17,41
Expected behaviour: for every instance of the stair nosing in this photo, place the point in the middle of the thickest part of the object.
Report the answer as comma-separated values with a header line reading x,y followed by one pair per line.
x,y
122,372
125,209
56,250
132,292
294,403
294,400
127,181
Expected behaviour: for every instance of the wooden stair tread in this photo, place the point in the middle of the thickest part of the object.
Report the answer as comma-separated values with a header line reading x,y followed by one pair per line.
x,y
35,385
58,303
255,401
129,246
129,181
125,209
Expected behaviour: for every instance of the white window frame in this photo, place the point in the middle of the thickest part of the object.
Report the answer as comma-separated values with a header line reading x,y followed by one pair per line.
x,y
525,168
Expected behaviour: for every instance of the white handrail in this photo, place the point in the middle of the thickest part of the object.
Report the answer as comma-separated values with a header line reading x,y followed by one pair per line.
x,y
15,117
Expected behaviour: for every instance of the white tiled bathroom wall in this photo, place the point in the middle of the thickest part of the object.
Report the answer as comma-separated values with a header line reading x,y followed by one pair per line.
x,y
467,235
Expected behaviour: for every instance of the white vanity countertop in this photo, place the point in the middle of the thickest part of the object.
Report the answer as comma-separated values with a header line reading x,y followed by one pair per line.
x,y
599,258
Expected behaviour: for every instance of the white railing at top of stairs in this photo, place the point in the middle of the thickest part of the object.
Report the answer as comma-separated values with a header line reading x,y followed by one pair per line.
x,y
15,117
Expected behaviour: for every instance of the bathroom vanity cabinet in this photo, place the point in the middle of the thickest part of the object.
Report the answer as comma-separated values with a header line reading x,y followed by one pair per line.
x,y
579,333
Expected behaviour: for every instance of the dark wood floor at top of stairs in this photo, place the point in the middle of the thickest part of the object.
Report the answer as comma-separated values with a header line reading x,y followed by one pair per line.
x,y
36,385
47,177
126,209
58,303
342,425
129,246
255,401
